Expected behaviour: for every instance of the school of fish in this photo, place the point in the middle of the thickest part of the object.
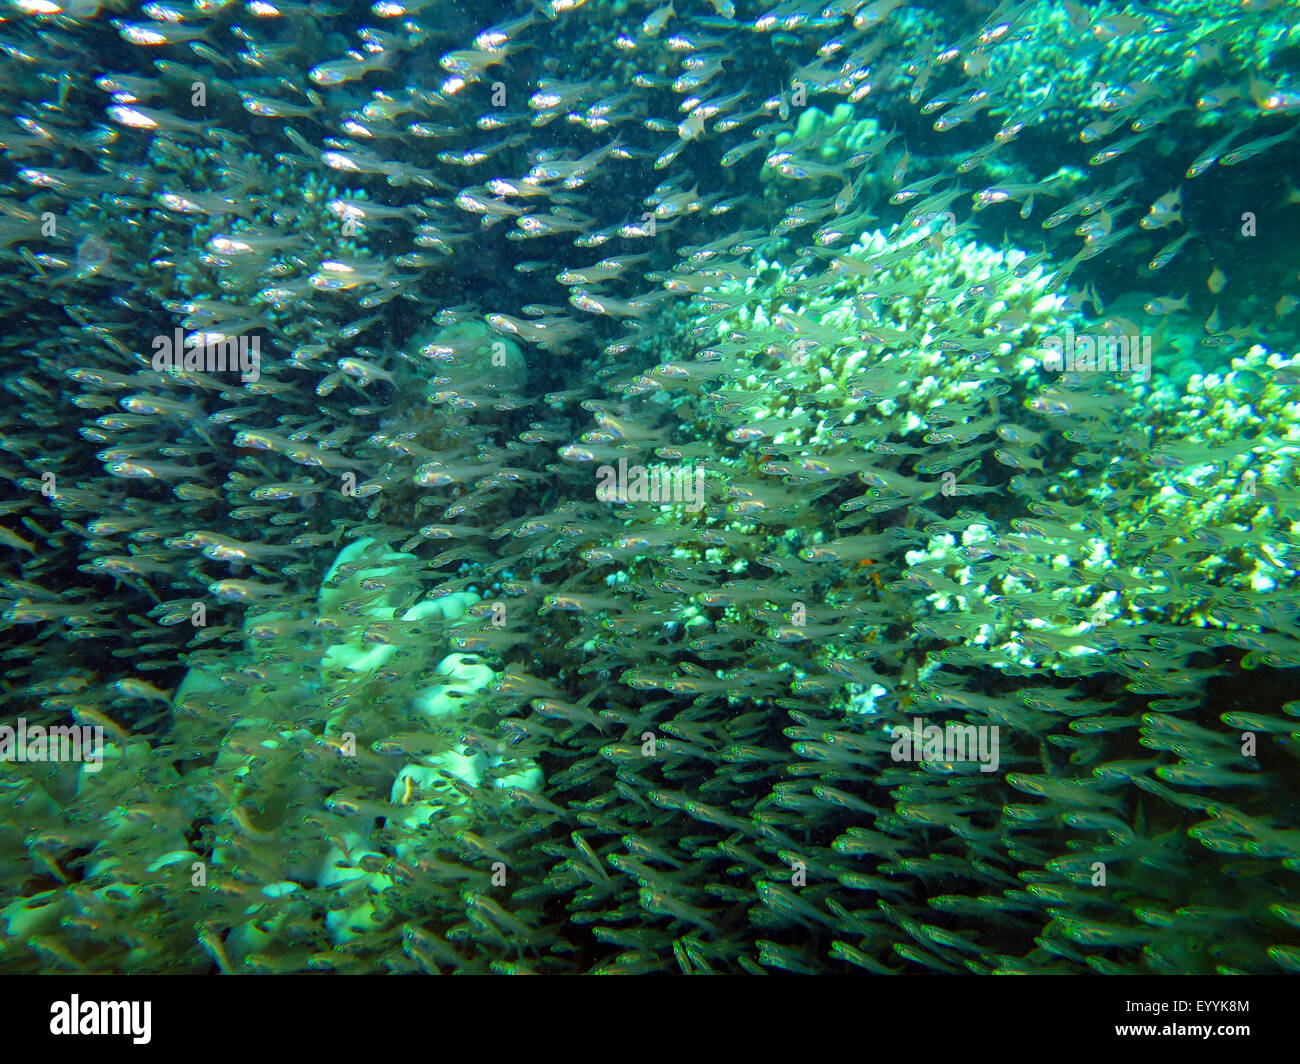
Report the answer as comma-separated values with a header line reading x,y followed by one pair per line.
x,y
508,482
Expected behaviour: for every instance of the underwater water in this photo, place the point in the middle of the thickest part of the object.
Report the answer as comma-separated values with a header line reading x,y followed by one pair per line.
x,y
704,487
